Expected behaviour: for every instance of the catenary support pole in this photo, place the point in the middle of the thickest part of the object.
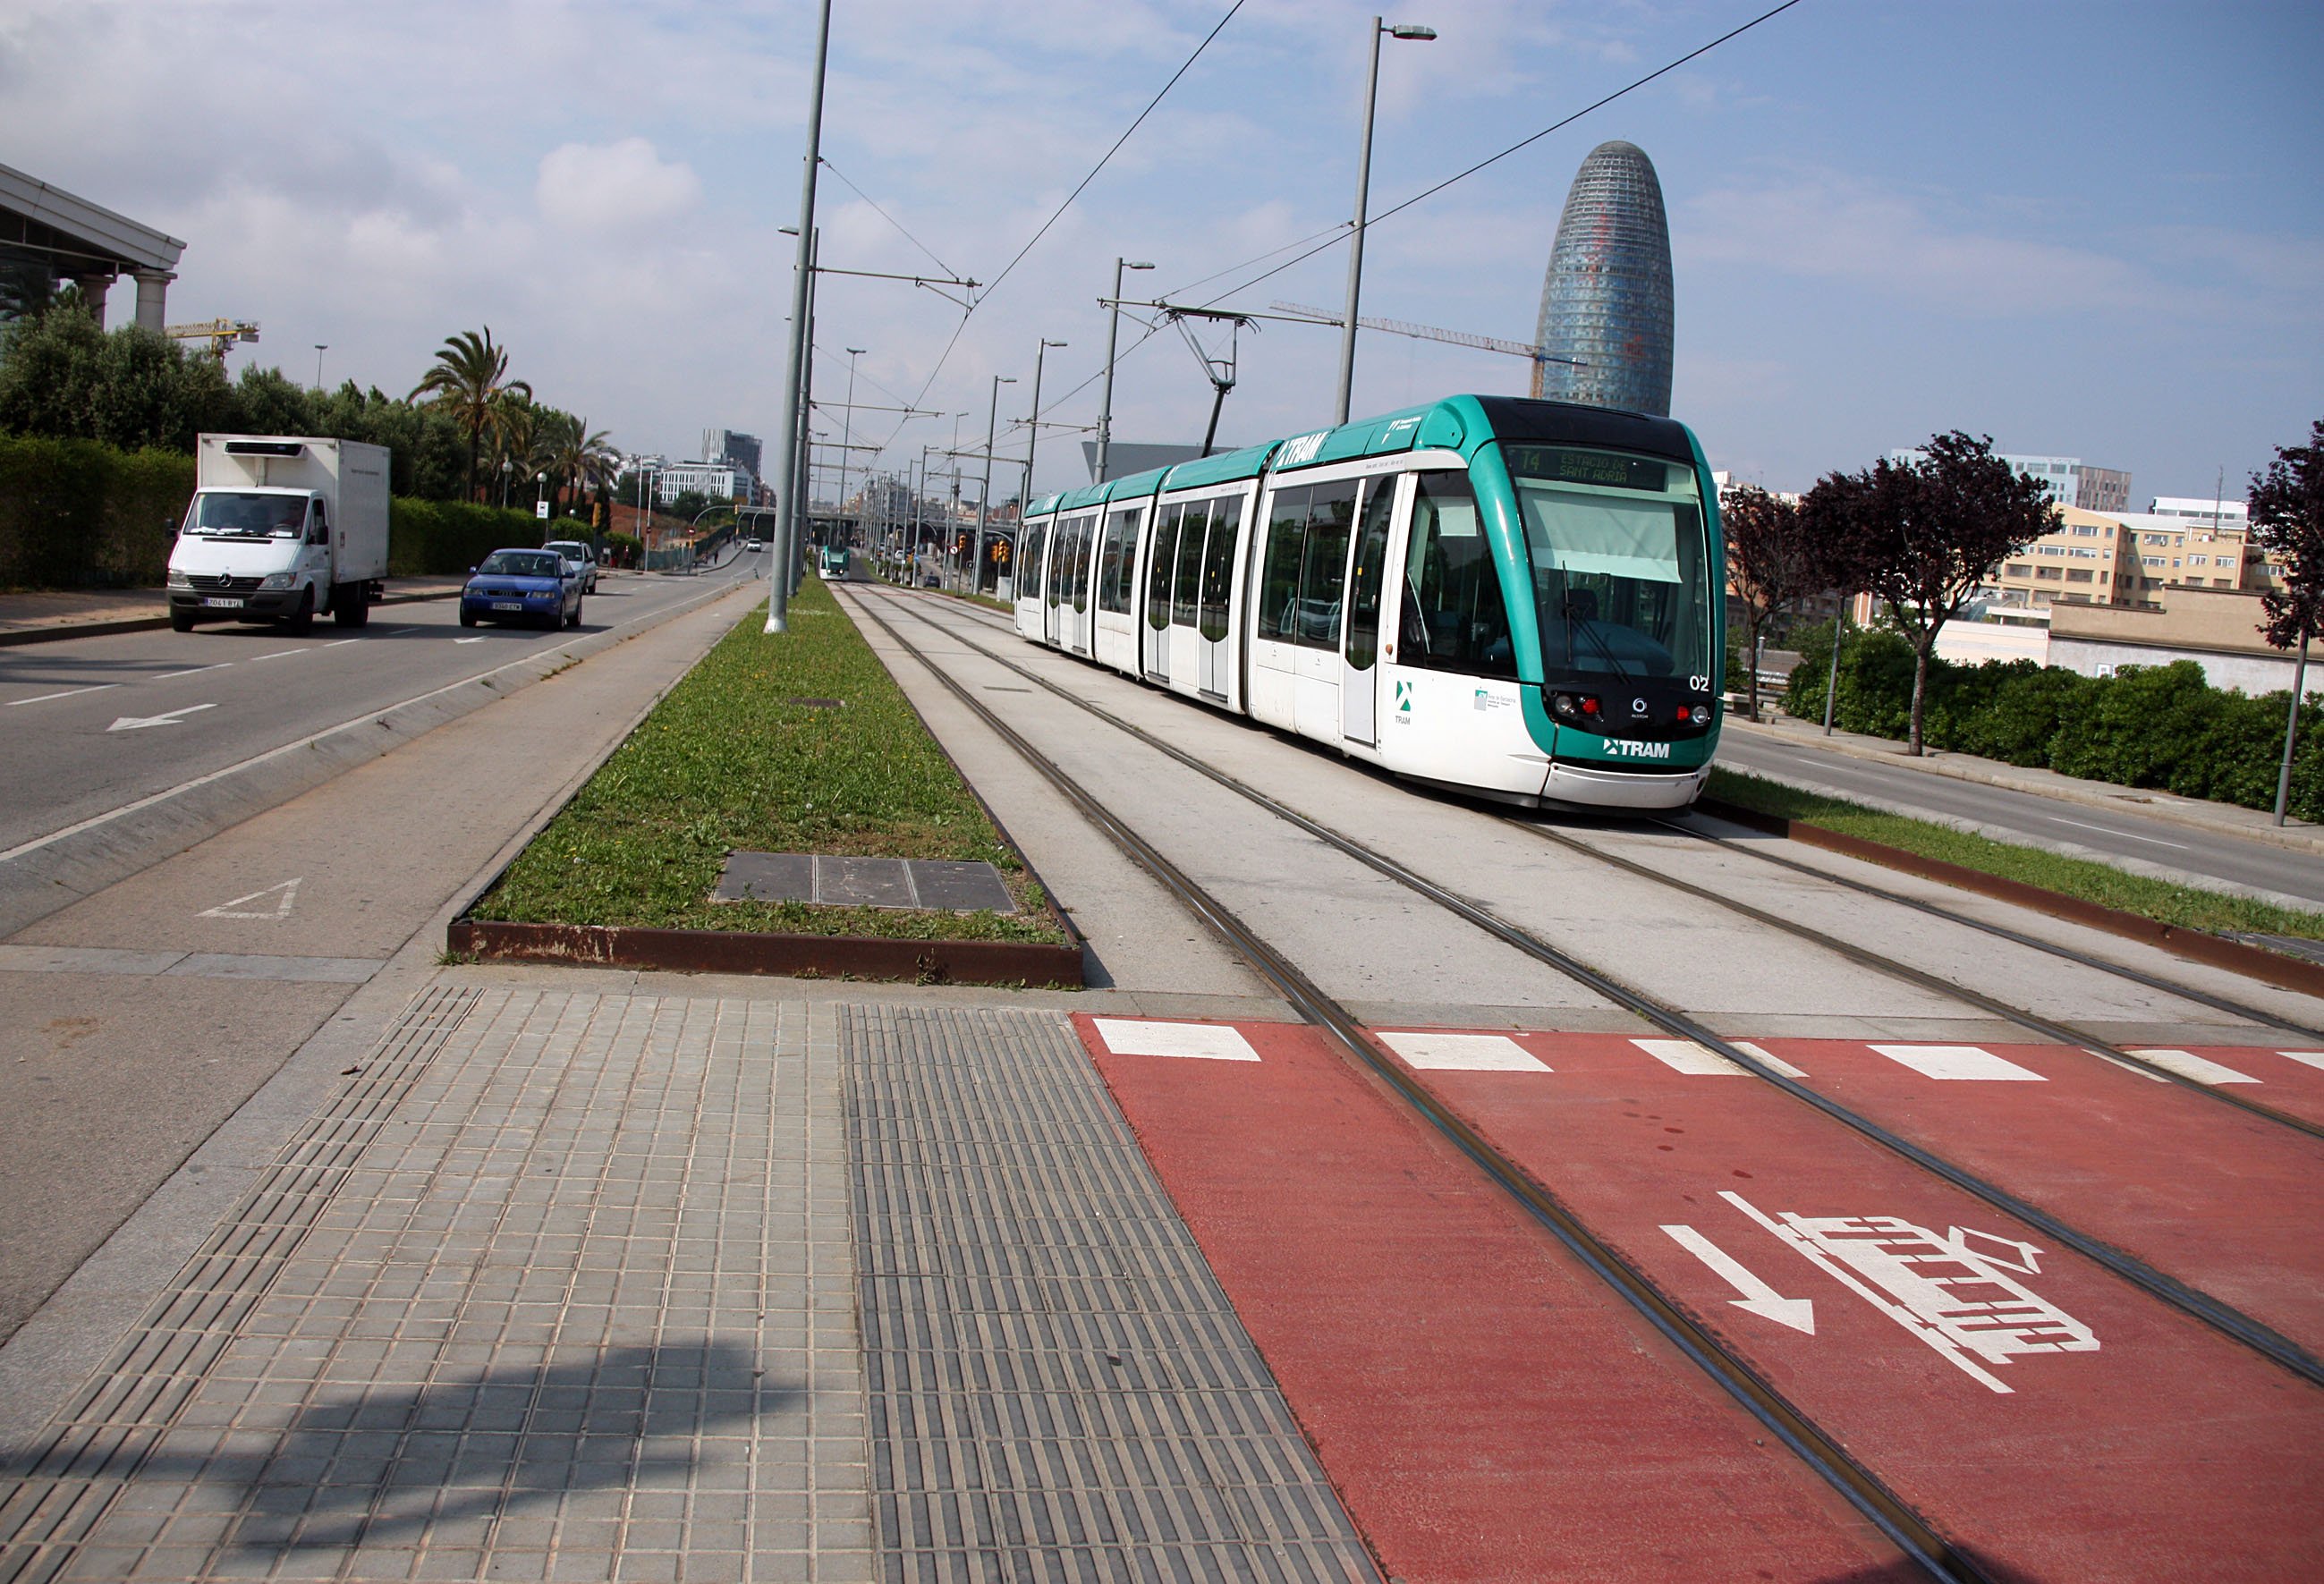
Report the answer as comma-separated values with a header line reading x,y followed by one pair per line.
x,y
2291,729
792,518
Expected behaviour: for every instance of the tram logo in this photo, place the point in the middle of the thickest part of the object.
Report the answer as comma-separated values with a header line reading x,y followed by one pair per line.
x,y
1622,747
1299,452
1404,698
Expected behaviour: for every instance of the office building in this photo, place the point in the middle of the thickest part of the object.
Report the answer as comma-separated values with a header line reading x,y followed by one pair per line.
x,y
1606,301
733,448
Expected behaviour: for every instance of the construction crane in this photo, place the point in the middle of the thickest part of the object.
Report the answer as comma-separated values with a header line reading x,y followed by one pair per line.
x,y
1539,355
221,334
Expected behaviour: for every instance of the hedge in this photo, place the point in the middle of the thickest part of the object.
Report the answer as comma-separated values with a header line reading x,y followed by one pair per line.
x,y
80,514
2162,728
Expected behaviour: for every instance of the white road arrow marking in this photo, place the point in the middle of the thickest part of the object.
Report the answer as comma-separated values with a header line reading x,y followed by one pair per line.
x,y
133,723
235,910
1758,1297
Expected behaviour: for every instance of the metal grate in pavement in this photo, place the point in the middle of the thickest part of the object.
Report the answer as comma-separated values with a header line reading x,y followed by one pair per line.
x,y
1058,1387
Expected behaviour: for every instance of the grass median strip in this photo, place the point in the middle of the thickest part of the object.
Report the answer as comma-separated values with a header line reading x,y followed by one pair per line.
x,y
801,742
2185,906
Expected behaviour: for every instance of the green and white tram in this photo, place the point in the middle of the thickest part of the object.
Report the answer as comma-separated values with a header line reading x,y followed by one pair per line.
x,y
1522,599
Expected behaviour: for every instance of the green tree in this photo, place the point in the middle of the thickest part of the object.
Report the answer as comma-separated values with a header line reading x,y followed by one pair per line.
x,y
2287,520
1771,565
469,376
1923,538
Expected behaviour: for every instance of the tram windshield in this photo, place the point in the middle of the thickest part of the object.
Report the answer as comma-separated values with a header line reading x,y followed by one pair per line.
x,y
1619,580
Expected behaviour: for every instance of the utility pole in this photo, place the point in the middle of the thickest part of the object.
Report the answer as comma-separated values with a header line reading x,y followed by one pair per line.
x,y
1112,331
984,501
794,392
1033,429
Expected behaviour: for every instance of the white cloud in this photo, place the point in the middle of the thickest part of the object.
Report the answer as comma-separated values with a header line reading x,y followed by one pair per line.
x,y
617,183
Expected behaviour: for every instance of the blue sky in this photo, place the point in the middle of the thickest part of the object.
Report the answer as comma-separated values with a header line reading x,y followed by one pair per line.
x,y
2094,230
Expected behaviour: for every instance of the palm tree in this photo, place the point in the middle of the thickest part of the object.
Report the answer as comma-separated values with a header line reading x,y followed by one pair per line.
x,y
577,456
469,378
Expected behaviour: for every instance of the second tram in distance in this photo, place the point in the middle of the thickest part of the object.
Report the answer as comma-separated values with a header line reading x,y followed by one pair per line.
x,y
1521,599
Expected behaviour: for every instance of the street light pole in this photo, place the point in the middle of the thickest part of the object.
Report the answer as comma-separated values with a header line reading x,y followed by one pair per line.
x,y
984,502
320,347
1033,430
847,427
1112,330
802,271
1363,195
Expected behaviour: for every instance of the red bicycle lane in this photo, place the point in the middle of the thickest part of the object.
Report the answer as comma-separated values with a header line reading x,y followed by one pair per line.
x,y
2217,1197
1488,1410
2050,1419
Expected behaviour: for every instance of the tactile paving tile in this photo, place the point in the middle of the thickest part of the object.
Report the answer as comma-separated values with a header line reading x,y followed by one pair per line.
x,y
1058,1387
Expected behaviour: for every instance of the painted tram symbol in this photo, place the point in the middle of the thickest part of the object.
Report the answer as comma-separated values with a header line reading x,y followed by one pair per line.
x,y
1955,1289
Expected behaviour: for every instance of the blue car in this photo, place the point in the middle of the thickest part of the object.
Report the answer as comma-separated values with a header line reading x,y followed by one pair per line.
x,y
522,586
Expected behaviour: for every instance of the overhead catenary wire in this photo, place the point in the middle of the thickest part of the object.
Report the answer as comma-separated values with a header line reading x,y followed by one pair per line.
x,y
891,219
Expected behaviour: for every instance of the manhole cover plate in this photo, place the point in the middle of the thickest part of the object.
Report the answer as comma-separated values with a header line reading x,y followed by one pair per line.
x,y
834,882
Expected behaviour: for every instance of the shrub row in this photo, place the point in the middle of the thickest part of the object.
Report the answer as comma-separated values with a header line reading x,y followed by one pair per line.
x,y
80,514
2160,728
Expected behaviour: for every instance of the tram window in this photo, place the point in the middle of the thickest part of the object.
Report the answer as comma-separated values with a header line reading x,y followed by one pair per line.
x,y
1278,584
1114,563
1453,616
1620,584
1218,566
1035,536
1323,569
1157,571
1372,561
1081,562
1186,581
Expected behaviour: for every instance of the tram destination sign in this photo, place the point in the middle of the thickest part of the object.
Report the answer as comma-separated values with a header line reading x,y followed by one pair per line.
x,y
1562,464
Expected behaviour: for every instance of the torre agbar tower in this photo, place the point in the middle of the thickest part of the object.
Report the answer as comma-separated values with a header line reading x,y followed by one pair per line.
x,y
1606,301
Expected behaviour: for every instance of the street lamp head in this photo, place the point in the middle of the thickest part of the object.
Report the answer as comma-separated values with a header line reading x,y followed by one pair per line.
x,y
856,351
1409,30
1133,264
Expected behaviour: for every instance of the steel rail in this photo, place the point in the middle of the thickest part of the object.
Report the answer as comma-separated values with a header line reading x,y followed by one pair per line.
x,y
2220,1315
1863,1489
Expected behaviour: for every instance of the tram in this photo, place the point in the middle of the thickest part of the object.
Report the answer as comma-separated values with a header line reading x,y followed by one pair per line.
x,y
832,562
1519,599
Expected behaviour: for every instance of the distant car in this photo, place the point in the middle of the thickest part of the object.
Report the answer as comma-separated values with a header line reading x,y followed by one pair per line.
x,y
930,580
753,545
576,551
522,586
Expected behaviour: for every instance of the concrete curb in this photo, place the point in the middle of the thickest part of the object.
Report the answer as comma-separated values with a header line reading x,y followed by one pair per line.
x,y
2186,812
44,876
11,636
718,950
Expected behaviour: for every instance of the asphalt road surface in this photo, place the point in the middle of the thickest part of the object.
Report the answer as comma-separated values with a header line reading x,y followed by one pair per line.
x,y
88,724
2124,838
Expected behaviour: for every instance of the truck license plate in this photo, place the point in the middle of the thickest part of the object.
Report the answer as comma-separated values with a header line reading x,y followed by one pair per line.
x,y
216,603
508,604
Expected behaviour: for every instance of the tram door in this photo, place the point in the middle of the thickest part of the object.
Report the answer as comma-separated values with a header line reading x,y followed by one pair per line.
x,y
1052,574
1077,602
1367,575
1161,563
1217,580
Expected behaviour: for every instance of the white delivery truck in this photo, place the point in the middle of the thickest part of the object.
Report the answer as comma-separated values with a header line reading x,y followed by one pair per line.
x,y
281,529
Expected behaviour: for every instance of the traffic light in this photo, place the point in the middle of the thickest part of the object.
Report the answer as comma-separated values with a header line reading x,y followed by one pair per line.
x,y
1000,552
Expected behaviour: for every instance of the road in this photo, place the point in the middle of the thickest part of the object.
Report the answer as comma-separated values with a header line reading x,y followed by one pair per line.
x,y
89,724
2124,839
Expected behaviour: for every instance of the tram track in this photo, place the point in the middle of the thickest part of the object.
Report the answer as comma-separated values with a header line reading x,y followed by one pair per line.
x,y
1819,1449
2213,1312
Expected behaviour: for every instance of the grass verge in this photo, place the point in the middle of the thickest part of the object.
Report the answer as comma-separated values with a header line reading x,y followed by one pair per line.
x,y
2186,906
797,743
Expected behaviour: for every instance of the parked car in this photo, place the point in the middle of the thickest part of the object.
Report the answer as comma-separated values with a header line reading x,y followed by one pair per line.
x,y
576,551
522,586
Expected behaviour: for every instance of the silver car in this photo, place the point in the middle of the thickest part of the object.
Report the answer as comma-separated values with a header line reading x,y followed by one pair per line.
x,y
579,554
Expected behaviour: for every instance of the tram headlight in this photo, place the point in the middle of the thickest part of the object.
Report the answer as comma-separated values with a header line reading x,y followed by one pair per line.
x,y
1575,706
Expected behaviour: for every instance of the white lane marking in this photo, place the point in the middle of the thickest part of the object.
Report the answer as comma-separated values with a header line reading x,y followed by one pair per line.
x,y
1208,1041
1966,1062
1464,1052
467,641
1758,1297
68,693
2305,1058
2188,1064
138,723
391,632
1751,1049
338,644
277,655
197,671
2111,831
234,909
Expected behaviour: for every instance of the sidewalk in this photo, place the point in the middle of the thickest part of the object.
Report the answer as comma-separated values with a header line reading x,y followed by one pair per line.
x,y
46,615
562,1283
2253,824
